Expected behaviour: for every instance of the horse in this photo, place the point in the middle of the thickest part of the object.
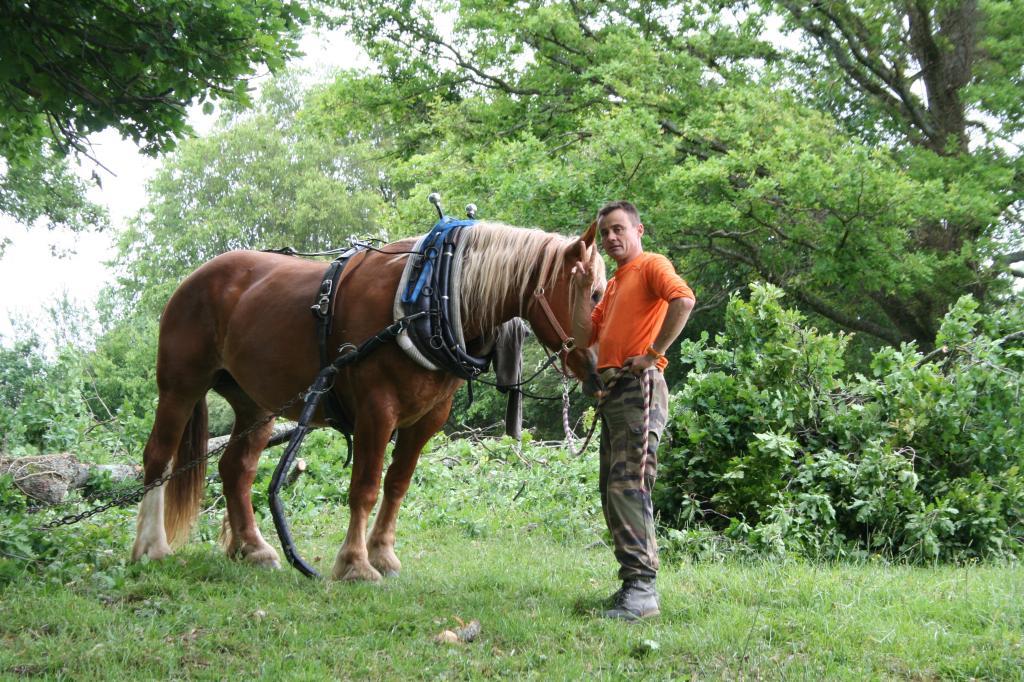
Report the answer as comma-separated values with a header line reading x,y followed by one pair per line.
x,y
240,325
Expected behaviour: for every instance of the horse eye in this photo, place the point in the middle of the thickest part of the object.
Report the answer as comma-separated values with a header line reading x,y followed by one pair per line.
x,y
596,296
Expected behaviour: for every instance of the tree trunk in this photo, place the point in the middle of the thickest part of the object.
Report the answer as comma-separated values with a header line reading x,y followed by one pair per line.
x,y
48,478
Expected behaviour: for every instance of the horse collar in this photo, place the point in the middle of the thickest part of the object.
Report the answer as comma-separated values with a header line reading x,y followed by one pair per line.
x,y
430,285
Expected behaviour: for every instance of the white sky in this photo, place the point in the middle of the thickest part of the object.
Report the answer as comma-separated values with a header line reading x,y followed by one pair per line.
x,y
31,277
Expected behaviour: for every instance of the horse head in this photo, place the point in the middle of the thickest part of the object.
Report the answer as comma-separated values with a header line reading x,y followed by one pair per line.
x,y
516,272
564,295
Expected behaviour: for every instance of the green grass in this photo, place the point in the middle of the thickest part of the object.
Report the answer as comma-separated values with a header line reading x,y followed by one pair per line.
x,y
530,568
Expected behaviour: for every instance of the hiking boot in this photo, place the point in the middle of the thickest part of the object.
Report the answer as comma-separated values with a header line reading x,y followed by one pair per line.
x,y
611,601
636,599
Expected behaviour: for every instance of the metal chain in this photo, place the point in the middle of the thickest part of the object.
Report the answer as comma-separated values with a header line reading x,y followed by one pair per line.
x,y
139,493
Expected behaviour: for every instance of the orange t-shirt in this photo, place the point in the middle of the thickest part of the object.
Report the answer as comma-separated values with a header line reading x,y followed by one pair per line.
x,y
629,316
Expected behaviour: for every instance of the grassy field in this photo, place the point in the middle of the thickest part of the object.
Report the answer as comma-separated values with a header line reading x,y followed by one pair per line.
x,y
484,541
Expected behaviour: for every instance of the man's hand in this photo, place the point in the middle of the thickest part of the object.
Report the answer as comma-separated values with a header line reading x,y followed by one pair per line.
x,y
583,275
595,388
582,282
638,363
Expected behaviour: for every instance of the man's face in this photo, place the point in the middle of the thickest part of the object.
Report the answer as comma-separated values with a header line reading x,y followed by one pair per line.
x,y
620,236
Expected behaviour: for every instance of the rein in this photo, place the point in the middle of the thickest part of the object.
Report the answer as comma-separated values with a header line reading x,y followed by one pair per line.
x,y
519,384
354,243
568,342
323,384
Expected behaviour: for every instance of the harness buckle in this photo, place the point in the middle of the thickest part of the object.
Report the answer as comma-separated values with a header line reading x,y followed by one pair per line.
x,y
323,304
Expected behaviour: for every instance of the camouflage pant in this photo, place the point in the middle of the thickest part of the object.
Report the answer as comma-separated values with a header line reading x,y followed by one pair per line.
x,y
627,475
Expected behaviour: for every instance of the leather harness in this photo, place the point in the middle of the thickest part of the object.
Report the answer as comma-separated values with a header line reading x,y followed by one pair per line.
x,y
323,312
427,301
427,304
428,308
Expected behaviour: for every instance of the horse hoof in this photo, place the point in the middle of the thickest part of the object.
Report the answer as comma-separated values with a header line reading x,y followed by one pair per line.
x,y
386,562
154,552
263,557
387,569
366,574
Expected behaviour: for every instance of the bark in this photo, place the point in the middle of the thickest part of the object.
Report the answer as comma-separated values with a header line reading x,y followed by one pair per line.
x,y
280,435
944,45
48,478
911,326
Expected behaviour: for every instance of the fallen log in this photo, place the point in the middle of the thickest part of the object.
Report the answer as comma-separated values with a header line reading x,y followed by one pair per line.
x,y
48,478
280,434
297,470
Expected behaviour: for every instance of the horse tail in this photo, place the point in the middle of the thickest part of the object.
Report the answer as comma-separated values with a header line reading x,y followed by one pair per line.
x,y
185,493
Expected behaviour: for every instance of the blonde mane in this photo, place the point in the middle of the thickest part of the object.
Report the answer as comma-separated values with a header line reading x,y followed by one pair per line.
x,y
500,260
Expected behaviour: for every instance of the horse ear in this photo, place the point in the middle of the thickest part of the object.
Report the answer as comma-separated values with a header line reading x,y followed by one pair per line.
x,y
577,252
589,234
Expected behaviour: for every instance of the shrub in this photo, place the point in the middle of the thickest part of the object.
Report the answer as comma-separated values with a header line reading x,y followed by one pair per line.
x,y
773,443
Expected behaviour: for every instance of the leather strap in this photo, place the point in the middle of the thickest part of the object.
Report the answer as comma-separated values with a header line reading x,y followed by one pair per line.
x,y
568,343
323,312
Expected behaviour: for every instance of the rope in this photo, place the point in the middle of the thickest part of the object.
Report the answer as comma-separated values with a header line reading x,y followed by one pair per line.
x,y
645,388
570,437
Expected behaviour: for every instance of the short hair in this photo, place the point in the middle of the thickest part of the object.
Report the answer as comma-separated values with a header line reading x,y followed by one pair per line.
x,y
626,206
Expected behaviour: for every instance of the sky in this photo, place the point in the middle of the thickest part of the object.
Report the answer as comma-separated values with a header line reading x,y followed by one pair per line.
x,y
31,277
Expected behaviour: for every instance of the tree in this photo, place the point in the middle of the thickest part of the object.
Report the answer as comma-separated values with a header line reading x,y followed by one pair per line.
x,y
871,206
68,69
260,180
42,187
938,84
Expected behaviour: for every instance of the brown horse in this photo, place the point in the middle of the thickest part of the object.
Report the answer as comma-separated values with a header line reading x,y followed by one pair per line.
x,y
240,325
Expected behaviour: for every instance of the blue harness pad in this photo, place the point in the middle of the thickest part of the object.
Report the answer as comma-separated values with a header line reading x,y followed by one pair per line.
x,y
428,289
430,252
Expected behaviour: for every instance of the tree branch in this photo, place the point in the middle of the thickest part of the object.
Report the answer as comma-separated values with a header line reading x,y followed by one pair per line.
x,y
808,299
865,69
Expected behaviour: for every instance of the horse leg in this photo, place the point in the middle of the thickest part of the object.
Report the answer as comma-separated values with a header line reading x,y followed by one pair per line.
x,y
373,428
403,462
240,536
175,410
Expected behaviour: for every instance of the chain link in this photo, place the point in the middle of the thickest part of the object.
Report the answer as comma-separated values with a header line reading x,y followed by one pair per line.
x,y
139,493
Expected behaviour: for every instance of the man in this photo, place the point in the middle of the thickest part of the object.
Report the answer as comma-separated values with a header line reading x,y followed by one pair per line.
x,y
644,307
